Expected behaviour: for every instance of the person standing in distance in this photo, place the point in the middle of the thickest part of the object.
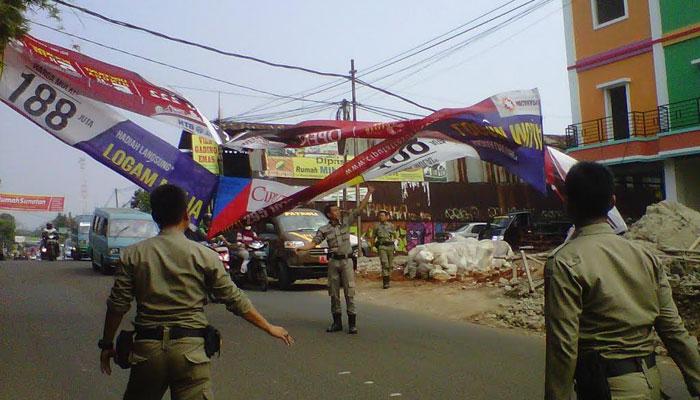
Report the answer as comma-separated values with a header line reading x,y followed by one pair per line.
x,y
171,278
384,235
604,298
340,271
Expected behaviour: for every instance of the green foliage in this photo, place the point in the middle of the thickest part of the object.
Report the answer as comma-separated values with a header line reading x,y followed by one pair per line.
x,y
7,229
63,220
13,21
141,200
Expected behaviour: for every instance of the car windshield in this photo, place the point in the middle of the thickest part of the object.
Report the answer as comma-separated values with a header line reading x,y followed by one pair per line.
x,y
132,228
302,221
84,229
501,222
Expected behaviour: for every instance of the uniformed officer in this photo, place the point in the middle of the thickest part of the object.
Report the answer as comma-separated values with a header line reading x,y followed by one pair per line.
x,y
171,278
604,298
384,235
340,271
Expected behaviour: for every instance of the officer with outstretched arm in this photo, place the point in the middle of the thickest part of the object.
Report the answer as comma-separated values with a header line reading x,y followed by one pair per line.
x,y
171,278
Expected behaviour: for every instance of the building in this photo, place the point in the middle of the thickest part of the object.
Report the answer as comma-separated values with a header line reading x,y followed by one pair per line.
x,y
634,77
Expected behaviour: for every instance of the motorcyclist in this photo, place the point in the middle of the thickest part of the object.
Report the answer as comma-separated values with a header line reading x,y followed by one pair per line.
x,y
243,239
47,231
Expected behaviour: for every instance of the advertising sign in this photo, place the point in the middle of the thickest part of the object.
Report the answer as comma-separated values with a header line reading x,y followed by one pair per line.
x,y
28,202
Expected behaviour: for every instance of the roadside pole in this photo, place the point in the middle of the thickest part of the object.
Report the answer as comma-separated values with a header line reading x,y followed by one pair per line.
x,y
353,71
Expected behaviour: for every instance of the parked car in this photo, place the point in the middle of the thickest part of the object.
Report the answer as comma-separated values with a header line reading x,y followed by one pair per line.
x,y
116,228
521,229
470,230
294,229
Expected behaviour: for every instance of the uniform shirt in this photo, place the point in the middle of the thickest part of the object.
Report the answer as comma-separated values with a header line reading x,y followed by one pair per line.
x,y
337,234
171,278
384,234
605,293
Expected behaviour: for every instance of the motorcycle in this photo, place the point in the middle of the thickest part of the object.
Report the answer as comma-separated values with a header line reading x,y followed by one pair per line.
x,y
50,247
256,272
222,250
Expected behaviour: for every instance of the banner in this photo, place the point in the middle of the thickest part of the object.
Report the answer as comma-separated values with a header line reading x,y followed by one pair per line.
x,y
206,153
57,107
113,85
234,212
320,166
28,202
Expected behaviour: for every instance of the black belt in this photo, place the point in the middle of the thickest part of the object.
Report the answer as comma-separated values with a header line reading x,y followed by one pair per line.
x,y
628,365
176,332
341,256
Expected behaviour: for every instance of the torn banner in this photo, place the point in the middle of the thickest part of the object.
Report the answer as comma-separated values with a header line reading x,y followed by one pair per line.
x,y
57,106
113,85
505,129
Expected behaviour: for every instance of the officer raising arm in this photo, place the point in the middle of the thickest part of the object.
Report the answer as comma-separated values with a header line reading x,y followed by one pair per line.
x,y
340,271
171,279
604,298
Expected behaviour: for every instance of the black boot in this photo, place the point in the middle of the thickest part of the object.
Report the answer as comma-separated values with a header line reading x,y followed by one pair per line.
x,y
352,329
386,281
337,324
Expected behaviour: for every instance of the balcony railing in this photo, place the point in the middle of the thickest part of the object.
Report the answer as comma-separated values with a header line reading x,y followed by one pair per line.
x,y
635,124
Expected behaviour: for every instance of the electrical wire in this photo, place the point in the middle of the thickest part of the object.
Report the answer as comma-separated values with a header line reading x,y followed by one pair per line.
x,y
172,66
195,44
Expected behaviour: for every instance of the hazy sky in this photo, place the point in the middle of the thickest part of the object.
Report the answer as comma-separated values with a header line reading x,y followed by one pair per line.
x,y
317,34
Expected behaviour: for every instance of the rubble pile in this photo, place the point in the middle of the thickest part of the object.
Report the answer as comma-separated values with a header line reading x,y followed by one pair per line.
x,y
666,225
456,259
526,312
670,230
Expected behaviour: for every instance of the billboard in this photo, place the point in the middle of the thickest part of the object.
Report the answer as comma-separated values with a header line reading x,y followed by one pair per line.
x,y
28,202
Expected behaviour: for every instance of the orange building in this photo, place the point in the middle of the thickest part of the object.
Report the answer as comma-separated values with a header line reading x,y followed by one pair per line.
x,y
635,88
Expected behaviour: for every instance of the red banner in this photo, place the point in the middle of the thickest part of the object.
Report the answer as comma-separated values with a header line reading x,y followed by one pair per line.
x,y
24,202
114,85
399,132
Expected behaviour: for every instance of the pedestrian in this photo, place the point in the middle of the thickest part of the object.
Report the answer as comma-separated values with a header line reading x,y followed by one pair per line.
x,y
340,271
171,278
384,235
605,296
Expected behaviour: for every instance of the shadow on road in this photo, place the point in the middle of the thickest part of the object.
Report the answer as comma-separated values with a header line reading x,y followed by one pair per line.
x,y
300,287
83,271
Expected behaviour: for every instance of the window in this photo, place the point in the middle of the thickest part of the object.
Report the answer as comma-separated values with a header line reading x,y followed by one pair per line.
x,y
606,12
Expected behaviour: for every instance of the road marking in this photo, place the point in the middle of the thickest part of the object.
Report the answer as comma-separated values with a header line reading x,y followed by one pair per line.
x,y
369,382
395,395
344,373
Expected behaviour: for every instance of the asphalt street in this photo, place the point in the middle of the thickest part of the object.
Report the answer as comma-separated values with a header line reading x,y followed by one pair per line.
x,y
51,316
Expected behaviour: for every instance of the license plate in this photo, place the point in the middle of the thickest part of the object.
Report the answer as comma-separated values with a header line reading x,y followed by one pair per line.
x,y
323,259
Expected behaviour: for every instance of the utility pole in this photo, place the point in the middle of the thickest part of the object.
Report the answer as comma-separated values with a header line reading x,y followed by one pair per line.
x,y
116,197
353,78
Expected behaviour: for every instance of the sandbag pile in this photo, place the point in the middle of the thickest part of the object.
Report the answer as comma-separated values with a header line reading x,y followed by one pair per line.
x,y
456,258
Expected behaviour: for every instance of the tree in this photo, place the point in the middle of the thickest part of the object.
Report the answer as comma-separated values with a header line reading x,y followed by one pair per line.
x,y
141,200
7,229
13,23
64,221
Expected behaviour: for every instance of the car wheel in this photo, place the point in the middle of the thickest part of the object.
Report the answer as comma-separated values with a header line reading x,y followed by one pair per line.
x,y
284,276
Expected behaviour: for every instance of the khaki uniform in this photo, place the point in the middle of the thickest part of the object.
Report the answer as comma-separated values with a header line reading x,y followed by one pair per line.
x,y
340,272
384,235
604,293
171,279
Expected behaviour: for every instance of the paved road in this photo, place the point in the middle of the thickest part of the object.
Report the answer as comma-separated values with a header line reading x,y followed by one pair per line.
x,y
51,317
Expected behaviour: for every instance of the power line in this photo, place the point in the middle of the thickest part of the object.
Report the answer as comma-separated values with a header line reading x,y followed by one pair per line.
x,y
392,110
194,44
173,66
382,113
371,68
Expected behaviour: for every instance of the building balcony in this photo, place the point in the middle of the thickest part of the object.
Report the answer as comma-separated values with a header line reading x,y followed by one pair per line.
x,y
634,126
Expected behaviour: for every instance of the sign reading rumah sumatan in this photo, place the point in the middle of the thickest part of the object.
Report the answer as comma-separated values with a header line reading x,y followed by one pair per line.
x,y
28,202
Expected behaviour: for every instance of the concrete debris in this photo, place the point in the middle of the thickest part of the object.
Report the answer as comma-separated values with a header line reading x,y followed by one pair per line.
x,y
667,225
456,259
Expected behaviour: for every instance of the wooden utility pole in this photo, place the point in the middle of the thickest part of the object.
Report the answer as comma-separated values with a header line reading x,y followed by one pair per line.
x,y
353,73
